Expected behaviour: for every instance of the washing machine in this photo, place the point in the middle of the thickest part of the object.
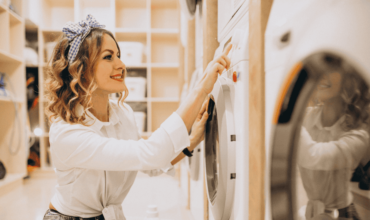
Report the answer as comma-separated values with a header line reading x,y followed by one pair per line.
x,y
193,163
317,85
226,134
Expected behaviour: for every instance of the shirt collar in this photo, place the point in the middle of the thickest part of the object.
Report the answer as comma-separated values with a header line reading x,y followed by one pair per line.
x,y
95,123
334,129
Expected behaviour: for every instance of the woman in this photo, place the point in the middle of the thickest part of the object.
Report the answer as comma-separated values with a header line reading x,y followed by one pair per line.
x,y
334,139
94,142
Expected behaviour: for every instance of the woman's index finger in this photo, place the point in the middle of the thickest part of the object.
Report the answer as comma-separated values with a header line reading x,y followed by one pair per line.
x,y
227,49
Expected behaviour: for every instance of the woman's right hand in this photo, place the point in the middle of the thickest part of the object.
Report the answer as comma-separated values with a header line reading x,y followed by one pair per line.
x,y
215,67
197,131
189,109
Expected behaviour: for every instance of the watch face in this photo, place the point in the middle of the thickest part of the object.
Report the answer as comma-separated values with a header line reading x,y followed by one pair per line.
x,y
212,150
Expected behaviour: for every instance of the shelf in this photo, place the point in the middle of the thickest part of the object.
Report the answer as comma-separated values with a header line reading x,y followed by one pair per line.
x,y
32,66
130,34
14,18
165,99
30,25
163,4
51,35
17,6
10,58
7,99
102,11
16,34
49,39
165,49
45,172
3,8
135,100
11,181
131,30
164,32
52,30
131,14
163,85
142,66
164,14
130,4
4,28
165,65
56,13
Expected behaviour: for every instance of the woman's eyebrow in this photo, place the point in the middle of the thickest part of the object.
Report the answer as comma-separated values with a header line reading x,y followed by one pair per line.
x,y
109,50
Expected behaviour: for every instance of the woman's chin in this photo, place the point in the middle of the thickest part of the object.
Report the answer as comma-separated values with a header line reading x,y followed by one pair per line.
x,y
116,89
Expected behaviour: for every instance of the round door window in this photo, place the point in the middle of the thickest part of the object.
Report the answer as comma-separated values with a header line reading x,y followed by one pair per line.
x,y
211,150
321,148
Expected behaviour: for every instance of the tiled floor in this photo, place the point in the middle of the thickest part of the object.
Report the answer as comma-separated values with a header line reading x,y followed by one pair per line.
x,y
30,201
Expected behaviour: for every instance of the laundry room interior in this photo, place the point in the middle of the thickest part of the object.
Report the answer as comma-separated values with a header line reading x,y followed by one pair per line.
x,y
283,133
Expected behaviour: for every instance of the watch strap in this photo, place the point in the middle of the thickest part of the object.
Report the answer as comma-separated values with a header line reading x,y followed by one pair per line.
x,y
187,152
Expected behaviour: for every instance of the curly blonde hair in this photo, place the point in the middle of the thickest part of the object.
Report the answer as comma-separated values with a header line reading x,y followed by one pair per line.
x,y
68,85
354,92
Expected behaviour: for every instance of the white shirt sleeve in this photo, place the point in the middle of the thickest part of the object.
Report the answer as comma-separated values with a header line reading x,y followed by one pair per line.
x,y
346,152
82,147
169,170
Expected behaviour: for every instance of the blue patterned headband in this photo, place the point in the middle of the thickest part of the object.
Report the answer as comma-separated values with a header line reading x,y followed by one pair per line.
x,y
76,33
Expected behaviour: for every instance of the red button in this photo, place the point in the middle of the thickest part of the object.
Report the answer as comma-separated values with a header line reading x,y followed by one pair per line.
x,y
235,77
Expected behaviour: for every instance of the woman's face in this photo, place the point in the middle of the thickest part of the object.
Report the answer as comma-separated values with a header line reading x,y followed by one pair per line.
x,y
110,70
329,87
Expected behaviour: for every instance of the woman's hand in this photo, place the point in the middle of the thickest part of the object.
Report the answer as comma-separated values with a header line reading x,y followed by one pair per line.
x,y
197,131
215,67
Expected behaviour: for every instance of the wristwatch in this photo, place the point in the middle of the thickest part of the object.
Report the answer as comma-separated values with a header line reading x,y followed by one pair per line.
x,y
187,152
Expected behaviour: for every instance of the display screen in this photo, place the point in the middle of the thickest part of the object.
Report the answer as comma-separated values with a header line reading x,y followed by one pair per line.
x,y
212,150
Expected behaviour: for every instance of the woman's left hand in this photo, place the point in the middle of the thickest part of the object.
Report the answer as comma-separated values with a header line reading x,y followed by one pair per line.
x,y
197,130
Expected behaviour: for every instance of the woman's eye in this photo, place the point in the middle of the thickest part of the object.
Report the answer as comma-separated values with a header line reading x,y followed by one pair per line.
x,y
108,57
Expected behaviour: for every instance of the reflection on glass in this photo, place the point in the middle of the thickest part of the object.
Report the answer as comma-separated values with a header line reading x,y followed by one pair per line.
x,y
211,150
333,142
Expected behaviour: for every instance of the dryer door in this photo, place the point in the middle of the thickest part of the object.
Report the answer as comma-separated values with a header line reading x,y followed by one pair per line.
x,y
220,151
320,144
193,163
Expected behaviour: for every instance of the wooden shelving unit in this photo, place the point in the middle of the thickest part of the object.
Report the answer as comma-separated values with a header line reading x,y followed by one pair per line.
x,y
155,23
12,127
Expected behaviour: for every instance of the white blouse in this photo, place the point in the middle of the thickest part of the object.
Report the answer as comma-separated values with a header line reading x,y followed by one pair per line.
x,y
327,157
96,165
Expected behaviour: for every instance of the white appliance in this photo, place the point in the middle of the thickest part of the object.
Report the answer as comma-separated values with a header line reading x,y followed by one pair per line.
x,y
196,178
195,168
296,31
193,163
189,7
226,139
229,15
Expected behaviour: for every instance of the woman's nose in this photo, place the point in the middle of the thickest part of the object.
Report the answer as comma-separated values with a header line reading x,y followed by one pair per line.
x,y
120,64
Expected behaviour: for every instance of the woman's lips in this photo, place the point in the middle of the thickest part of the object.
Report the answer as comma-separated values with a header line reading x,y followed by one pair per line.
x,y
117,77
